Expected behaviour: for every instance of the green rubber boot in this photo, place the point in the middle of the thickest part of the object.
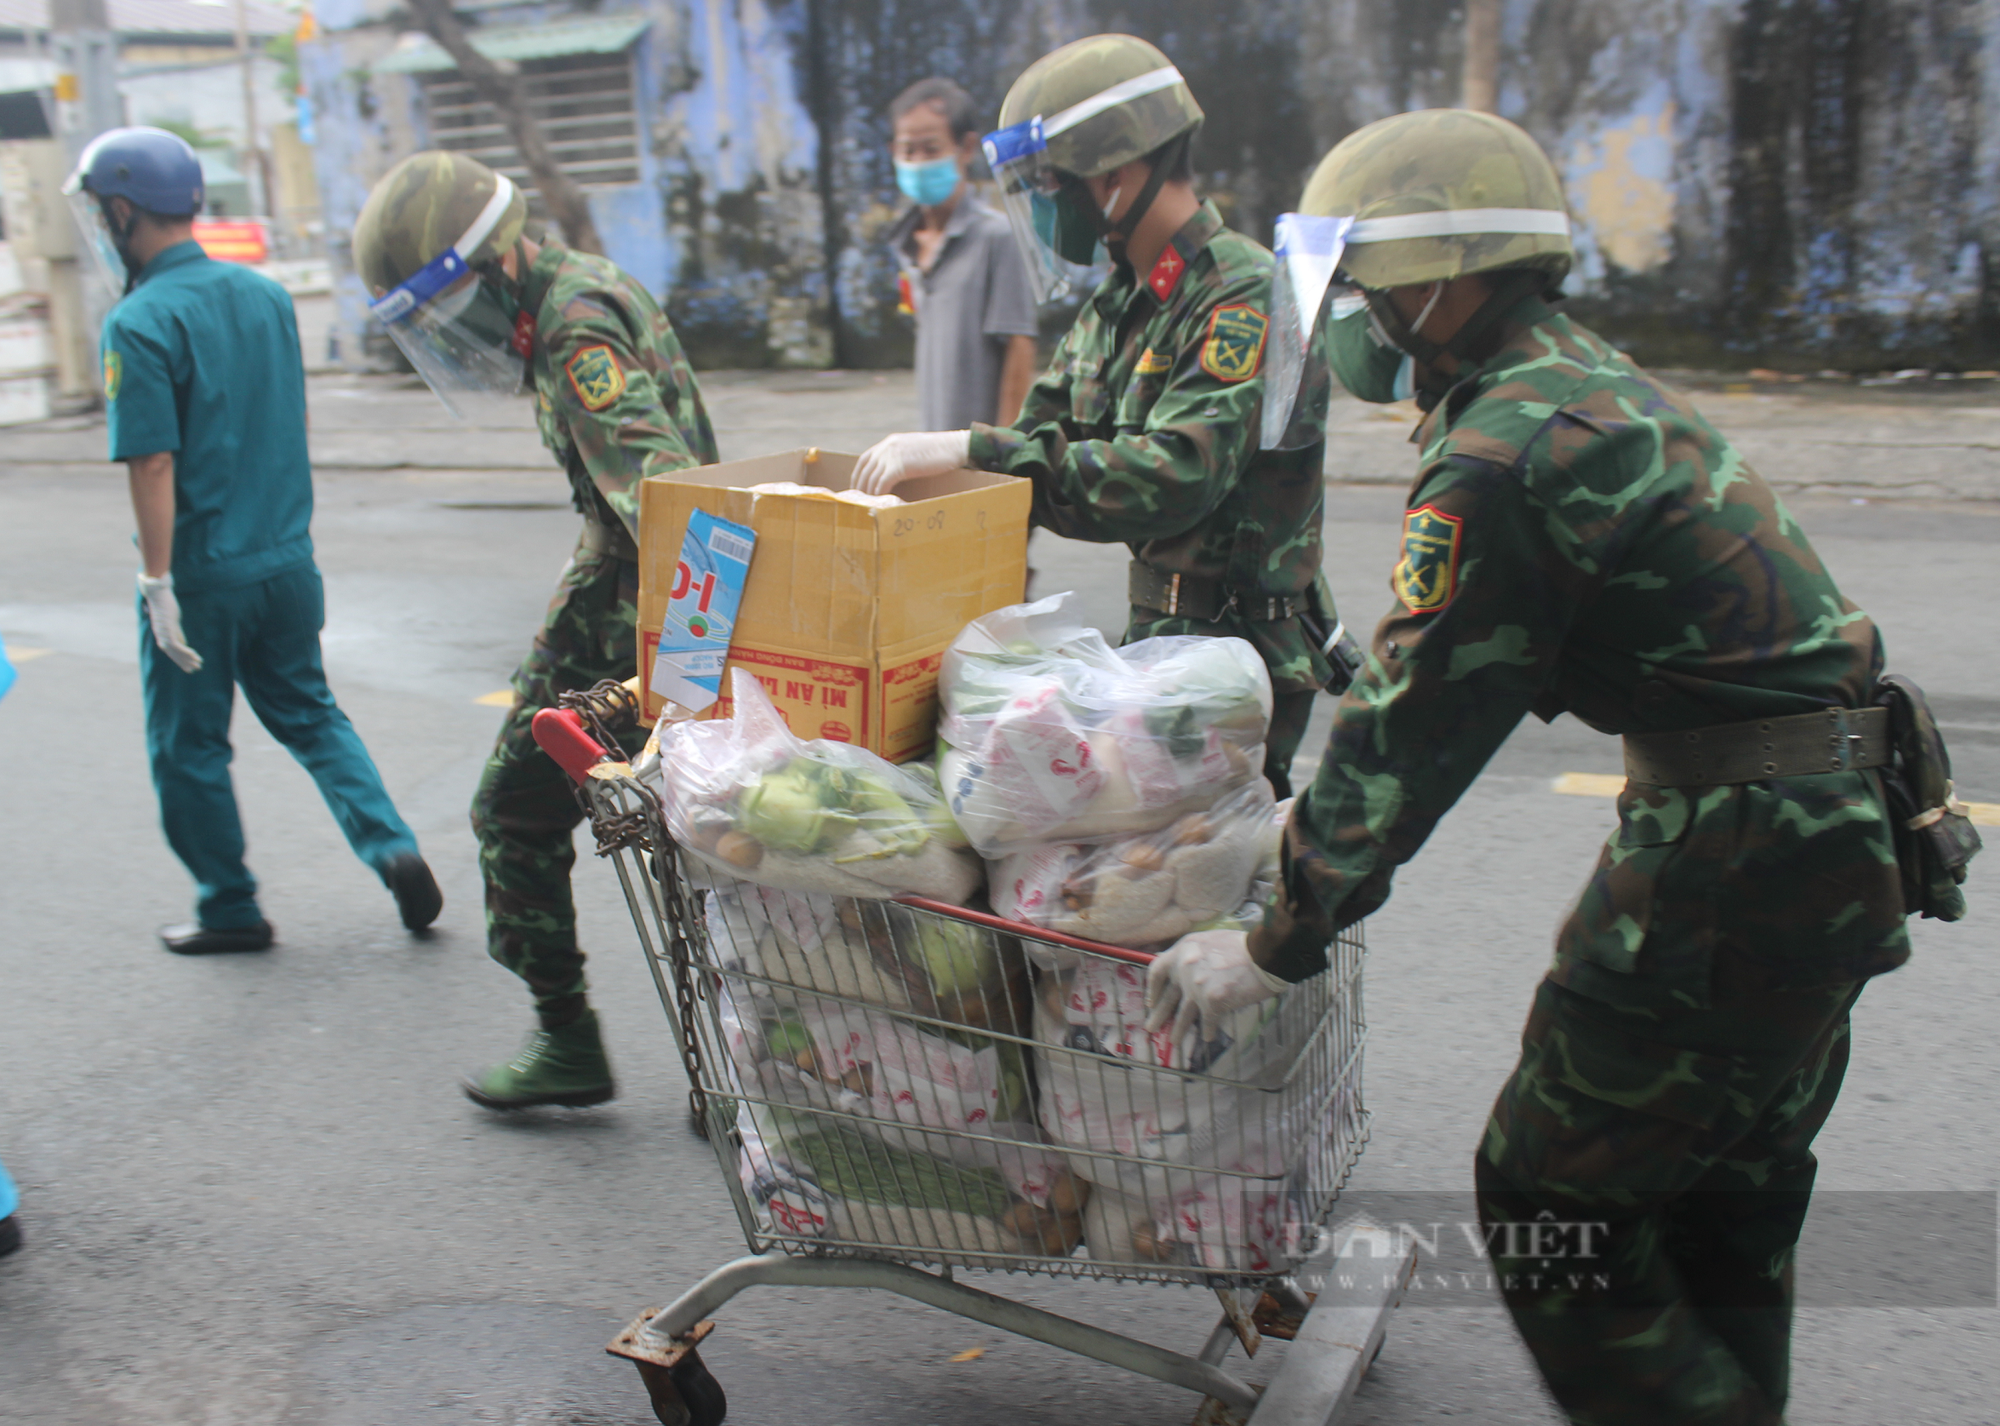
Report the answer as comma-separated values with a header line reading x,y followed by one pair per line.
x,y
565,1067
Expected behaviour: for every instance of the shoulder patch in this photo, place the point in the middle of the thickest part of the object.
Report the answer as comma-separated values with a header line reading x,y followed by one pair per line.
x,y
1427,575
1235,345
596,377
1152,363
114,375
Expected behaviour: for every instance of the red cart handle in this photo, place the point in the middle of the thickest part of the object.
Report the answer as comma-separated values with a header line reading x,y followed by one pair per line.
x,y
559,732
1025,931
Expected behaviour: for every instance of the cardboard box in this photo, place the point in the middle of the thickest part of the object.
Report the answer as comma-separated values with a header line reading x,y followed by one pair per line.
x,y
848,610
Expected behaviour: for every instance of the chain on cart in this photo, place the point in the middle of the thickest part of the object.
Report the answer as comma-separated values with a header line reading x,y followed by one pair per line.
x,y
898,1088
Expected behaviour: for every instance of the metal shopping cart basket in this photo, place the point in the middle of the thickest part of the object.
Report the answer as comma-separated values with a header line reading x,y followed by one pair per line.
x,y
896,1090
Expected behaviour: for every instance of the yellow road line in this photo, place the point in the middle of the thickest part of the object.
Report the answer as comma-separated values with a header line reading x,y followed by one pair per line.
x,y
1589,784
20,655
503,699
1602,784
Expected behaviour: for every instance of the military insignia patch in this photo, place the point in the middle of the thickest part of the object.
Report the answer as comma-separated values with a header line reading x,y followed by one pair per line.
x,y
595,374
1235,344
1152,363
114,375
1427,576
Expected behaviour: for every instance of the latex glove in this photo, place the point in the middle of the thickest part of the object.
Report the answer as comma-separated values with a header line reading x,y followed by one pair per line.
x,y
1209,975
165,613
895,459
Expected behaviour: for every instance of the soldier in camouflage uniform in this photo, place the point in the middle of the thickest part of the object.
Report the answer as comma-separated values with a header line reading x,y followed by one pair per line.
x,y
1144,430
1579,539
616,402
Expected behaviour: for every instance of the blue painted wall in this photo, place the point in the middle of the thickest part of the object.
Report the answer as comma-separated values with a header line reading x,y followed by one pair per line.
x,y
1778,182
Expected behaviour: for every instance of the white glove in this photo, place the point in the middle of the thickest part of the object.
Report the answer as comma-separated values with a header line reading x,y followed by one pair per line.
x,y
1207,974
895,459
165,612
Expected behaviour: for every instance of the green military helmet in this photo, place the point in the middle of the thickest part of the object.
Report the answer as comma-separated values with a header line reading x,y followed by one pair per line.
x,y
1501,188
1103,101
424,205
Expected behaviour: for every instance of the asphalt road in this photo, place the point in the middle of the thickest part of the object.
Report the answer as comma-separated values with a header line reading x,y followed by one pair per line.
x,y
253,1193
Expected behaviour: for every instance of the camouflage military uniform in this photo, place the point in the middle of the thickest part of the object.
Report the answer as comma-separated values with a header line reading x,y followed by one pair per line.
x,y
1144,431
1579,539
616,402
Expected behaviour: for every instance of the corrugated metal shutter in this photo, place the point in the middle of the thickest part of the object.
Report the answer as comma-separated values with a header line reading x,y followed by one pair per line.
x,y
583,102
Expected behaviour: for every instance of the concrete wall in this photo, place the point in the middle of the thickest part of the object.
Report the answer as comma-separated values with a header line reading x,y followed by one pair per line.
x,y
1797,183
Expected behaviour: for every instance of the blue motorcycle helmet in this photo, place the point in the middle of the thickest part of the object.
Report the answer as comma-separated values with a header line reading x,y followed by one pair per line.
x,y
152,170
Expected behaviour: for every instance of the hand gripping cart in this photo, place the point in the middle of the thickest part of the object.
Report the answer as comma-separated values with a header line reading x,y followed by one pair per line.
x,y
899,1089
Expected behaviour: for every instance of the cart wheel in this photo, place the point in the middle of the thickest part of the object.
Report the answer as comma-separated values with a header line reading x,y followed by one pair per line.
x,y
684,1394
697,1121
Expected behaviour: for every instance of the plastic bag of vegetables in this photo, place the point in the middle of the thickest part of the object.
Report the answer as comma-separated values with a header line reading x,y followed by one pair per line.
x,y
1052,735
753,801
1191,875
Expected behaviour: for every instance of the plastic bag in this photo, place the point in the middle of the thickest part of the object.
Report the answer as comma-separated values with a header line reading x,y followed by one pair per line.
x,y
751,800
1193,874
1052,735
1187,1145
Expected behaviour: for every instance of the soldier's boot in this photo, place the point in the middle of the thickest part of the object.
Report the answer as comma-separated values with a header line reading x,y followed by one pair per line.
x,y
565,1066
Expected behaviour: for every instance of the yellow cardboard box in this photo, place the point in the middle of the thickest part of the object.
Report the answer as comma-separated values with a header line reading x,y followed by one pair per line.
x,y
848,610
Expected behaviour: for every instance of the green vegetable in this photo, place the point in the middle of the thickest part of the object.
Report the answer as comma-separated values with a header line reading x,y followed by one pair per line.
x,y
847,1164
957,957
788,1039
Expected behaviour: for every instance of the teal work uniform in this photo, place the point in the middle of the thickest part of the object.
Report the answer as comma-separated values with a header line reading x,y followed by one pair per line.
x,y
202,360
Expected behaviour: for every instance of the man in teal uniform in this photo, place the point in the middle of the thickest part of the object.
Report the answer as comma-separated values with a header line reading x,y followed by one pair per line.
x,y
205,393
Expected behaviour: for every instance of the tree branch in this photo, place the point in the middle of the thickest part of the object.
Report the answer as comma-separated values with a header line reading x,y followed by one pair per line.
x,y
500,86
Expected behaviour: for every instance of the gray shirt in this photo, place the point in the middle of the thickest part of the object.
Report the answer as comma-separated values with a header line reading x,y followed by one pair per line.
x,y
974,297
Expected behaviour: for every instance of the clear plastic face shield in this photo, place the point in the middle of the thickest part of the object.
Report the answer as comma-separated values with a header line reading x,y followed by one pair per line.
x,y
88,211
1044,227
1060,242
1308,254
461,335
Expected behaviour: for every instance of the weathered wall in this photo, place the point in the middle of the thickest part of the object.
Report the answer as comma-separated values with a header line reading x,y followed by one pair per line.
x,y
1795,183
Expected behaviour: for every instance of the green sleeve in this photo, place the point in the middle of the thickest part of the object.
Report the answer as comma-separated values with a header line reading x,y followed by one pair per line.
x,y
1165,470
612,405
1486,595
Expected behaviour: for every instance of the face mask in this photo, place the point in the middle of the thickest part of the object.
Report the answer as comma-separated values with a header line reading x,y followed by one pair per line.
x,y
1066,232
1370,368
928,184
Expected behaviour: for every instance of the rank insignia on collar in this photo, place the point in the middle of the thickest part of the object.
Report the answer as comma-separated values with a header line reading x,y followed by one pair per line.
x,y
595,375
1166,273
1152,363
1235,342
1427,576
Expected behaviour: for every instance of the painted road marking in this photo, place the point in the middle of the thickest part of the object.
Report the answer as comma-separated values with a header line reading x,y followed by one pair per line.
x,y
21,655
503,699
1603,784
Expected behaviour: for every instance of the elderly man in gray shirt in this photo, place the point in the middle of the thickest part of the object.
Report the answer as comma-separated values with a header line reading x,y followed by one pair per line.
x,y
962,275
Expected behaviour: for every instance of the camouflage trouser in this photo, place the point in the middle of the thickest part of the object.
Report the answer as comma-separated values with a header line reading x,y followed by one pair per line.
x,y
1293,704
1679,1139
525,810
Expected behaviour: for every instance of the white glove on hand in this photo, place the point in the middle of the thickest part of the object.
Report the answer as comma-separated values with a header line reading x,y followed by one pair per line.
x,y
165,612
1207,974
895,459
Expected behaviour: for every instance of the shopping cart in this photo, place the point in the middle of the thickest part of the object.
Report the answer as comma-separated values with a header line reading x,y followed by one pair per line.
x,y
899,1089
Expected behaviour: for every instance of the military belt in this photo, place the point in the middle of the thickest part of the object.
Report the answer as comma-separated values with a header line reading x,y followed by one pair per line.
x,y
1838,740
604,540
1194,596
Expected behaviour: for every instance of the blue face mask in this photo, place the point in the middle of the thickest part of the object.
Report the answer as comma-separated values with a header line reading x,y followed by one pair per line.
x,y
928,184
